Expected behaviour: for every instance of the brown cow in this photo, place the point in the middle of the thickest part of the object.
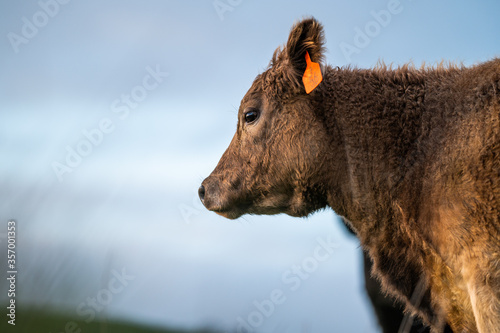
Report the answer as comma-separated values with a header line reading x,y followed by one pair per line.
x,y
411,157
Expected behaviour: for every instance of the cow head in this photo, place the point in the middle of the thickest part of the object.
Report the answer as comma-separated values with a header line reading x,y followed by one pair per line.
x,y
274,162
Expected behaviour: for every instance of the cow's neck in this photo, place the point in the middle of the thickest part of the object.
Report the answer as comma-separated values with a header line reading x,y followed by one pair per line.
x,y
378,119
377,126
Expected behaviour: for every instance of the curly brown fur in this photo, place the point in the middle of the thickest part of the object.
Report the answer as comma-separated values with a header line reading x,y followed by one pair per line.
x,y
410,156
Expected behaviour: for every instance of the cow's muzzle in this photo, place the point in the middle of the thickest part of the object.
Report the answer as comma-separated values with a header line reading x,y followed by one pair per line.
x,y
210,194
219,200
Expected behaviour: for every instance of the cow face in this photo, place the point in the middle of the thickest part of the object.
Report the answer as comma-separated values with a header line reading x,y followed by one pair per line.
x,y
273,162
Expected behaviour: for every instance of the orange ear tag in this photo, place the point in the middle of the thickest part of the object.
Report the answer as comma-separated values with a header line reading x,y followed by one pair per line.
x,y
312,76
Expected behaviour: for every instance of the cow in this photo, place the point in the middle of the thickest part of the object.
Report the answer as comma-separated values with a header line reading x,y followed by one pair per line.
x,y
409,157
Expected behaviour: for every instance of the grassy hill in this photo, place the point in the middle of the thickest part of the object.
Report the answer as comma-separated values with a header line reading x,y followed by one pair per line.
x,y
39,321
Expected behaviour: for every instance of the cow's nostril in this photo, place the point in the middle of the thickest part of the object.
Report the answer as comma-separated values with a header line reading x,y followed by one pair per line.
x,y
201,193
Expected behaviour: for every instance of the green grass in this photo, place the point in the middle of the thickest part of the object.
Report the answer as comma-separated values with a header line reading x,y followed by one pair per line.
x,y
40,321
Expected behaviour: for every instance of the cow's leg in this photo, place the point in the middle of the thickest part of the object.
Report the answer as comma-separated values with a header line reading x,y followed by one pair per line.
x,y
485,304
482,275
389,312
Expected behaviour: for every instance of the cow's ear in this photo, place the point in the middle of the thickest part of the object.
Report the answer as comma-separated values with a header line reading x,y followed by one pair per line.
x,y
305,36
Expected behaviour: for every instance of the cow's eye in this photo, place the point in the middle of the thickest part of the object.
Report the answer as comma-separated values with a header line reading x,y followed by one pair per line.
x,y
251,115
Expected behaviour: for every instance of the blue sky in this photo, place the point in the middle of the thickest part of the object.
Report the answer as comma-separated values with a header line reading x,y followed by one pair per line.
x,y
131,201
